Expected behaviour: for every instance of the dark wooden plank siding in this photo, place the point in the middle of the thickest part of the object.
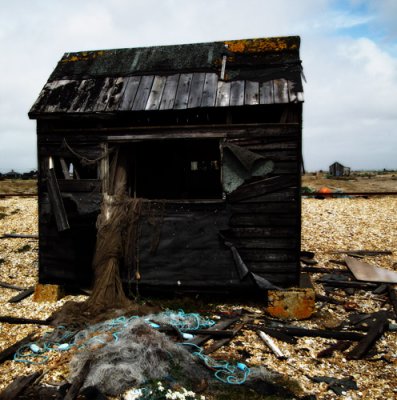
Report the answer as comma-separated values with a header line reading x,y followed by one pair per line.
x,y
156,93
223,94
209,90
143,93
196,90
237,93
131,88
182,94
168,98
251,93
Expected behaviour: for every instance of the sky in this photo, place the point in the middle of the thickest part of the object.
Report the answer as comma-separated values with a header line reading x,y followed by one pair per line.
x,y
348,49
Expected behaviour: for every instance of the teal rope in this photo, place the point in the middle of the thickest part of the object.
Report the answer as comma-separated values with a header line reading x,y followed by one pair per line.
x,y
224,372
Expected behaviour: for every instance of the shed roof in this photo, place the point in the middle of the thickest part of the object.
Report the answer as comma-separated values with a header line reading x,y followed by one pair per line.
x,y
256,71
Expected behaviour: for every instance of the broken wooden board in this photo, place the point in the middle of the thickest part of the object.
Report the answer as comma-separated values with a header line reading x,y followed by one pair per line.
x,y
363,271
8,353
14,389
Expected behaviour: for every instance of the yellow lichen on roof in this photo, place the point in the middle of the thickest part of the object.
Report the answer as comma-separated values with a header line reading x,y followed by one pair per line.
x,y
261,45
83,56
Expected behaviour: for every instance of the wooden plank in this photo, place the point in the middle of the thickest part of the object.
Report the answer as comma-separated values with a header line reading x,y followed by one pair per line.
x,y
104,95
182,94
258,232
261,187
378,327
81,185
8,286
169,92
266,95
280,91
18,386
275,255
131,88
8,353
237,93
265,208
143,93
209,90
293,98
265,243
19,297
65,169
116,94
267,267
329,334
154,99
200,339
90,98
251,96
57,206
259,220
196,90
23,321
223,94
392,297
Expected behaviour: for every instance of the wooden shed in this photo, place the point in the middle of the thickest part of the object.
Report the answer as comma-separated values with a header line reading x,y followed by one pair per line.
x,y
209,135
337,169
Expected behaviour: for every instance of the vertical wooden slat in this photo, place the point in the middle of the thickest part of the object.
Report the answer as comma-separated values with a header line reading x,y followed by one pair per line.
x,y
291,92
182,94
153,102
209,90
169,92
299,96
280,91
237,93
131,88
251,93
196,90
143,92
223,94
266,93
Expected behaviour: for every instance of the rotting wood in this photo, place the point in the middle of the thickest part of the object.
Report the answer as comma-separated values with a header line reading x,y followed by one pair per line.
x,y
261,187
57,206
8,353
182,93
364,252
13,287
328,299
348,284
330,334
378,327
341,345
200,339
222,342
271,344
279,335
17,320
65,169
19,297
392,297
12,391
78,382
18,236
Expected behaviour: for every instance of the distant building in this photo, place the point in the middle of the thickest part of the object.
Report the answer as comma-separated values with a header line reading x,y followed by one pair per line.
x,y
337,169
12,175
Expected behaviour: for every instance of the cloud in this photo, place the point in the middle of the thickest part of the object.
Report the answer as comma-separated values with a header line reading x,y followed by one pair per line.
x,y
349,106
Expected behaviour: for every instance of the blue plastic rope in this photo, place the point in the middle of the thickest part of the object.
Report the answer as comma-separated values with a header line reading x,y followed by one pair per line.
x,y
225,372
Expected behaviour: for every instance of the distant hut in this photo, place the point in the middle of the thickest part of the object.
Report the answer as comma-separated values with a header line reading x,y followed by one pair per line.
x,y
337,169
208,137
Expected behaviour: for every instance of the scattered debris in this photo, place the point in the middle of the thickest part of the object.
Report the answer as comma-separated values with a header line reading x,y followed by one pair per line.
x,y
363,271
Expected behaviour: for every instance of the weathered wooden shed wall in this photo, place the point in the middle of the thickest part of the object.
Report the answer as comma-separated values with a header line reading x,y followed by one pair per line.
x,y
91,105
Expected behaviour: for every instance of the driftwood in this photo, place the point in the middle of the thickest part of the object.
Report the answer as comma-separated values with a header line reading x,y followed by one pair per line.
x,y
392,297
338,346
78,382
221,342
8,286
16,320
347,284
8,353
280,335
376,330
19,297
330,334
12,391
18,236
363,252
272,346
200,339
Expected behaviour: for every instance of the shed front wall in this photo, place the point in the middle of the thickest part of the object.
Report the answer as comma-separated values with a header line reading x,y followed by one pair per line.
x,y
261,218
